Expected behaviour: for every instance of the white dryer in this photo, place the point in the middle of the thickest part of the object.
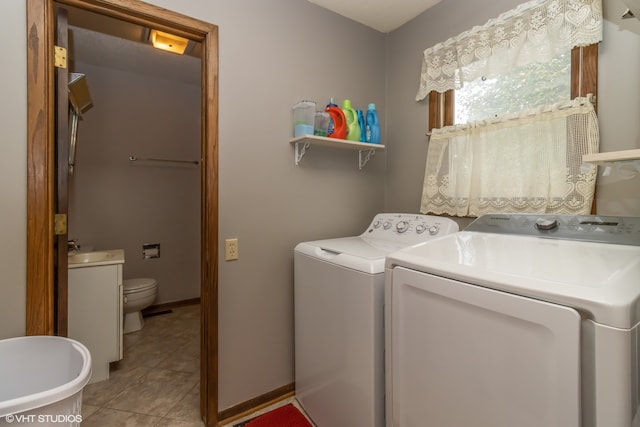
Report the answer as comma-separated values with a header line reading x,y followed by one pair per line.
x,y
339,326
519,320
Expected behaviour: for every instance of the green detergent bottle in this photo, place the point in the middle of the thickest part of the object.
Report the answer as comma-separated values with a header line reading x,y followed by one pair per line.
x,y
351,117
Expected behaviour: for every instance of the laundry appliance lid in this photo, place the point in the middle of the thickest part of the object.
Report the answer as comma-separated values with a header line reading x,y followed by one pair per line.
x,y
600,280
359,253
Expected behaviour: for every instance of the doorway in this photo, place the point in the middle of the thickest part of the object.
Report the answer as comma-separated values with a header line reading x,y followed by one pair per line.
x,y
136,179
40,164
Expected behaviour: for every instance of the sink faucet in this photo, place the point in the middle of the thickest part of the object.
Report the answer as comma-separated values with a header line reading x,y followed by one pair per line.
x,y
73,245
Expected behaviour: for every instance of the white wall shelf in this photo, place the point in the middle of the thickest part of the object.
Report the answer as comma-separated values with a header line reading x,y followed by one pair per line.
x,y
612,156
365,150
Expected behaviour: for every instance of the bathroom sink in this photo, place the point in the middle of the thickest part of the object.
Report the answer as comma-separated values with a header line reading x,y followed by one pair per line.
x,y
77,259
90,257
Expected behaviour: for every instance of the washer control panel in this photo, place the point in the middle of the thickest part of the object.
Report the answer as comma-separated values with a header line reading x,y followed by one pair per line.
x,y
410,228
589,228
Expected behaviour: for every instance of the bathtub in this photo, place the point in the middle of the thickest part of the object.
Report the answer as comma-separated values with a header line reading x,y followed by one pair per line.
x,y
41,380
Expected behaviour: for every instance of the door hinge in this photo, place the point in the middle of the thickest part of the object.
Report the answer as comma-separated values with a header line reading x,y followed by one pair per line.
x,y
60,57
60,224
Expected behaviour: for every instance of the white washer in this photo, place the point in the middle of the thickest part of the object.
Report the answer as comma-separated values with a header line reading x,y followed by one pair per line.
x,y
339,326
519,320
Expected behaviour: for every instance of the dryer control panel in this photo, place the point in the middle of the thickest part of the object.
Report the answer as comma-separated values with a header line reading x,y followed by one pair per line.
x,y
409,228
588,228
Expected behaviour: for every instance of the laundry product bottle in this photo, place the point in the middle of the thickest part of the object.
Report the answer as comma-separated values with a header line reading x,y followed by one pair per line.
x,y
337,124
362,126
330,128
351,117
372,126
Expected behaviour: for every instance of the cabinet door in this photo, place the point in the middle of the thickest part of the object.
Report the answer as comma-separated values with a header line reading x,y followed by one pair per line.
x,y
464,355
94,310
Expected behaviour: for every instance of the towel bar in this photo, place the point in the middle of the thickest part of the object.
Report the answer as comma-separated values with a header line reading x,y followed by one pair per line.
x,y
142,159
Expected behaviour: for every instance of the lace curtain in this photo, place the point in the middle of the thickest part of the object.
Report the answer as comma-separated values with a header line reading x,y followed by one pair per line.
x,y
535,31
528,162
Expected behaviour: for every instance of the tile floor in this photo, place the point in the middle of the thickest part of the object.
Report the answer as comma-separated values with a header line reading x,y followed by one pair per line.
x,y
158,381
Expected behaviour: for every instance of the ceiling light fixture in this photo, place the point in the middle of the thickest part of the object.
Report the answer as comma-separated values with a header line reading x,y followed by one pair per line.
x,y
168,42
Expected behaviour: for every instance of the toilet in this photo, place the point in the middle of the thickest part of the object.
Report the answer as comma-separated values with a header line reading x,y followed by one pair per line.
x,y
139,294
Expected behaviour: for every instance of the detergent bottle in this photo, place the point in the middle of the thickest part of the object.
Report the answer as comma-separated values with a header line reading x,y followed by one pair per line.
x,y
337,124
362,127
351,117
372,127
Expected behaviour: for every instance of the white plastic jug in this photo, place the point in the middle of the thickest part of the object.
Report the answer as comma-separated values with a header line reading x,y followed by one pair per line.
x,y
303,118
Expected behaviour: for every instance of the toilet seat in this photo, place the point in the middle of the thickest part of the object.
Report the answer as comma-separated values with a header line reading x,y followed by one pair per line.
x,y
132,286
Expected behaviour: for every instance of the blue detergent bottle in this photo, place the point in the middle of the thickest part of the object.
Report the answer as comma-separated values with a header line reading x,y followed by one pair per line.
x,y
372,127
363,137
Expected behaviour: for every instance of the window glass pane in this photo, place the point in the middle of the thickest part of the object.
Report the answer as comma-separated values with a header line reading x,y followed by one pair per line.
x,y
525,87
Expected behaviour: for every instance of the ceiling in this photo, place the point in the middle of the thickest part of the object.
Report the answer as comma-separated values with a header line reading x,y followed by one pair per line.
x,y
107,42
381,15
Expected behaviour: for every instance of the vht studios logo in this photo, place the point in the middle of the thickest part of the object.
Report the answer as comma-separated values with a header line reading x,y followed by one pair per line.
x,y
43,418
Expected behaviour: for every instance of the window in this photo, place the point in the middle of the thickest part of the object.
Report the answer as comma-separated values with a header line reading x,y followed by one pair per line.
x,y
582,79
525,87
509,115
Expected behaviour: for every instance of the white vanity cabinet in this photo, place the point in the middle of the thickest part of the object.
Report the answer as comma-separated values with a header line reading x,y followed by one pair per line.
x,y
95,309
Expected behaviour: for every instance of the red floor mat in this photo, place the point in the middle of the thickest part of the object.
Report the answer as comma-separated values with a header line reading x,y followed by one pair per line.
x,y
284,416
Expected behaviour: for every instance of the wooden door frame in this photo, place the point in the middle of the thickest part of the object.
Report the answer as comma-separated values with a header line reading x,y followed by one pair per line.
x,y
40,302
61,194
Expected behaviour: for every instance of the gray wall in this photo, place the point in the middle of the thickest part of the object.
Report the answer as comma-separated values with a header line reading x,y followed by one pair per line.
x,y
13,169
619,108
118,204
273,54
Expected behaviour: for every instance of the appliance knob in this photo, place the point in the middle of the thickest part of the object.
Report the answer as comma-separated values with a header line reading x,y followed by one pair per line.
x,y
421,228
402,226
376,224
546,223
386,225
433,230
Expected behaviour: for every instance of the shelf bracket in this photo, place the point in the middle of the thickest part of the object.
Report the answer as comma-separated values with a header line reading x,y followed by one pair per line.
x,y
300,151
367,156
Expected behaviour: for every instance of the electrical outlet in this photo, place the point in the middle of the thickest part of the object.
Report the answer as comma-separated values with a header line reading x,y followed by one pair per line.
x,y
230,249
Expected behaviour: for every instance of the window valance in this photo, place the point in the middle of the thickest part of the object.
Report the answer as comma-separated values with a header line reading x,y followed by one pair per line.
x,y
535,31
